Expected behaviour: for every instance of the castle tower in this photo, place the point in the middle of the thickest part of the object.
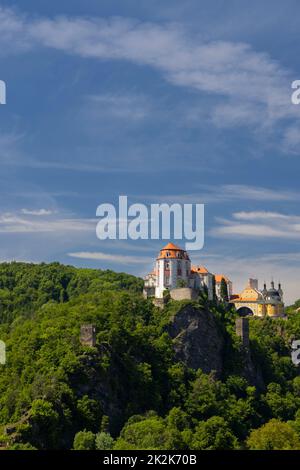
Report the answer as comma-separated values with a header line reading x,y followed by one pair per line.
x,y
253,283
88,335
172,264
242,330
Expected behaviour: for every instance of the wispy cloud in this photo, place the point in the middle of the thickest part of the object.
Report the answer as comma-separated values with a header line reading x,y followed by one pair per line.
x,y
256,193
30,223
253,88
119,106
37,212
226,193
259,225
111,258
266,216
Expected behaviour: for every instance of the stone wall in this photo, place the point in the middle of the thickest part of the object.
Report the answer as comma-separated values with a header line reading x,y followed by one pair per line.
x,y
242,330
184,293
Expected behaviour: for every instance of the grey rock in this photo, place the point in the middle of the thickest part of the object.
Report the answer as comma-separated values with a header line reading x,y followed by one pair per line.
x,y
197,339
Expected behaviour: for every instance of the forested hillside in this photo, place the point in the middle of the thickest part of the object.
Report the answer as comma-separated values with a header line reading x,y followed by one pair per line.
x,y
140,387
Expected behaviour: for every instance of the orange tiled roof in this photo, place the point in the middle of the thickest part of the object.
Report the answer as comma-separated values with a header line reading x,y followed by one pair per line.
x,y
199,269
172,251
219,277
171,246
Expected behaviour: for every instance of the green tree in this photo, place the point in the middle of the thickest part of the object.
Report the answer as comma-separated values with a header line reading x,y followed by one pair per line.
x,y
43,428
213,434
90,413
104,441
84,440
224,290
104,427
145,434
275,435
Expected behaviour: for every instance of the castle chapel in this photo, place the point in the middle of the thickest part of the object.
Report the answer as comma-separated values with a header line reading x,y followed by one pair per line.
x,y
265,302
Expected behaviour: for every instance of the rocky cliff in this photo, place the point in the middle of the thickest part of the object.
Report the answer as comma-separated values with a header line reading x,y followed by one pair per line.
x,y
198,342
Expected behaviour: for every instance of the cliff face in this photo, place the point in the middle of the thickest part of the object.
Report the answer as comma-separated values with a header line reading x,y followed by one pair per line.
x,y
197,339
199,343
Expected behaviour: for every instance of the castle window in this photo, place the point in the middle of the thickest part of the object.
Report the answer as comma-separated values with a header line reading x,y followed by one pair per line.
x,y
179,271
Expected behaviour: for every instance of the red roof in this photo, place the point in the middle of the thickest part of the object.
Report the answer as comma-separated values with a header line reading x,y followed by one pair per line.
x,y
172,251
200,269
171,246
219,277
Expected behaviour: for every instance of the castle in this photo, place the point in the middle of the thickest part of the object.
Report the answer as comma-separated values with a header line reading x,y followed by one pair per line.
x,y
173,272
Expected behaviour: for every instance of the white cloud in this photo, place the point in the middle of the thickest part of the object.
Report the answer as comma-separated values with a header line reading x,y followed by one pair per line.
x,y
29,223
253,88
226,193
120,106
111,258
265,215
37,212
256,193
259,225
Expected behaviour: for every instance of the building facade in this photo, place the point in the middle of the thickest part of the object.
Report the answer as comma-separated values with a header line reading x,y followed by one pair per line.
x,y
260,303
173,270
218,281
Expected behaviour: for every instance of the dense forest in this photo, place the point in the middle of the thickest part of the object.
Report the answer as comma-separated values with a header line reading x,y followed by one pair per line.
x,y
131,391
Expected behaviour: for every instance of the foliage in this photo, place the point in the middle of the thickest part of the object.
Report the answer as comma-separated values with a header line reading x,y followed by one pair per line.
x,y
104,441
213,434
129,392
84,440
274,435
224,290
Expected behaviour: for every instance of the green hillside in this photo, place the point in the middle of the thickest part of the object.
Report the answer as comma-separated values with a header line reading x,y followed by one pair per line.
x,y
131,391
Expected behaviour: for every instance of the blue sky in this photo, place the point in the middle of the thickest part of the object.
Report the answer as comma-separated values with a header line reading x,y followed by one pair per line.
x,y
162,101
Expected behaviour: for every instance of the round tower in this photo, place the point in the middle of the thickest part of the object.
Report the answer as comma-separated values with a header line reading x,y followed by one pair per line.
x,y
172,264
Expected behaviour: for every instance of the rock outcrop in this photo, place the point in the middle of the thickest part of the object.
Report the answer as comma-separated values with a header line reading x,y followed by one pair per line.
x,y
197,339
200,344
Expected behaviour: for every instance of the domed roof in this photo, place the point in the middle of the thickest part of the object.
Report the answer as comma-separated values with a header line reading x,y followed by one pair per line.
x,y
273,296
173,251
273,293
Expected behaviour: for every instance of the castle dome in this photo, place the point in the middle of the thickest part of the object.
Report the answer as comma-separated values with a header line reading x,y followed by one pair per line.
x,y
273,296
172,251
